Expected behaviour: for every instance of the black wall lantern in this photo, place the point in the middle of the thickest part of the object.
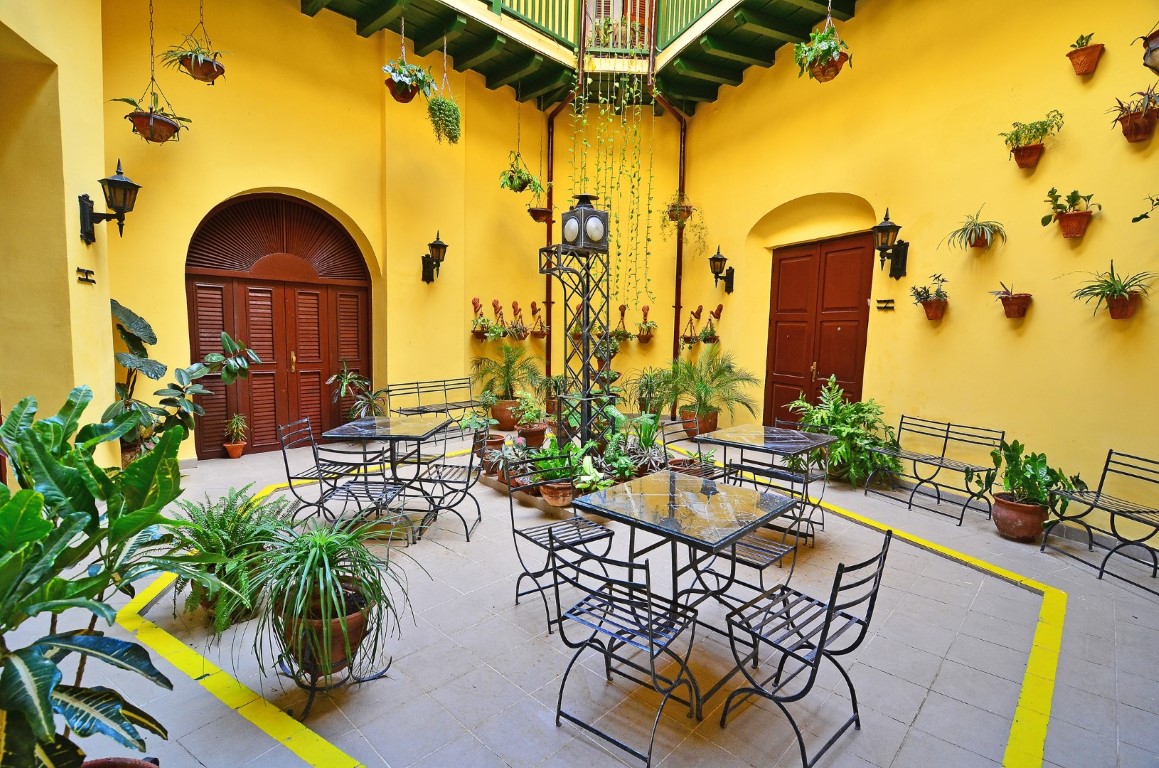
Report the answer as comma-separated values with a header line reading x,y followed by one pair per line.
x,y
120,197
716,264
889,247
433,259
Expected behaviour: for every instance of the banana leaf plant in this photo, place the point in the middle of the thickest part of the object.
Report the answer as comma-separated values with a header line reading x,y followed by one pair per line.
x,y
71,535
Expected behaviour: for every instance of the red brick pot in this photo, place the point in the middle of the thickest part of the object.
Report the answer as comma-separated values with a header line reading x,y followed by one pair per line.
x,y
934,308
1018,522
824,71
1027,157
1123,307
204,70
1074,224
1139,126
1085,60
1016,304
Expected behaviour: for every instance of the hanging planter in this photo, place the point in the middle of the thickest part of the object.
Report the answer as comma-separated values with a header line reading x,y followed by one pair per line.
x,y
538,329
1137,117
645,329
442,110
539,215
196,55
518,178
1025,140
1013,304
824,55
1073,213
679,212
1084,56
151,121
1151,50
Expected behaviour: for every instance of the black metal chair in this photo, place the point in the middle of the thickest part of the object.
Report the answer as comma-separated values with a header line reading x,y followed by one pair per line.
x,y
527,475
801,631
300,434
619,617
449,485
687,462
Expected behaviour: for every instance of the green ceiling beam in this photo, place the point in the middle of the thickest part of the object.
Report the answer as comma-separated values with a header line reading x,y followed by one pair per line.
x,y
686,91
311,7
714,46
704,71
554,97
533,89
518,70
473,57
380,15
768,26
434,42
842,9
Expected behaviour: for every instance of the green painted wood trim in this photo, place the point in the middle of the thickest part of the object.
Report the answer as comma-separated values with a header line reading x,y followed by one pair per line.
x,y
434,42
312,7
473,57
778,29
520,69
690,91
702,71
842,9
714,46
533,89
380,15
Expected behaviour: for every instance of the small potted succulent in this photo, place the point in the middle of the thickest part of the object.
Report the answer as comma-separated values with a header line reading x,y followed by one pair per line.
x,y
445,118
933,297
1137,117
1028,491
197,58
405,80
976,233
1014,304
823,56
1122,293
518,178
236,431
1084,56
152,122
1073,213
1025,140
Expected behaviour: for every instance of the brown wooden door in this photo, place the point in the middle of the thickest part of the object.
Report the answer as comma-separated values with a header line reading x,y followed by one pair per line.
x,y
261,324
818,320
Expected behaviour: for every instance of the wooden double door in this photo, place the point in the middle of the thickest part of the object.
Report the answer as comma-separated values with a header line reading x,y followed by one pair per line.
x,y
302,333
818,319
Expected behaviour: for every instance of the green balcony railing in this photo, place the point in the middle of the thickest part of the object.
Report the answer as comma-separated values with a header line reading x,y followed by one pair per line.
x,y
557,19
675,16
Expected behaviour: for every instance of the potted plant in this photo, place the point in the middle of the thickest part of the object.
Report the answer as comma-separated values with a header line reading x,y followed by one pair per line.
x,y
933,298
233,529
551,387
517,177
685,220
517,329
514,370
1072,213
708,334
588,479
529,419
538,213
1028,483
976,233
236,430
475,420
406,80
365,402
479,327
823,56
445,118
324,595
1137,117
152,122
1013,304
1025,140
1122,293
197,58
679,209
1151,49
650,390
712,383
1084,56
554,468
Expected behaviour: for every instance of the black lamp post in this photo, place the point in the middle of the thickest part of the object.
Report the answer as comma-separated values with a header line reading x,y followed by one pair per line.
x,y
433,260
716,264
120,196
889,247
584,227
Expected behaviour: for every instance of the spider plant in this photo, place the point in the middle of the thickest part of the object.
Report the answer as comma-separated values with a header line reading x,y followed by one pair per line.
x,y
976,233
1109,285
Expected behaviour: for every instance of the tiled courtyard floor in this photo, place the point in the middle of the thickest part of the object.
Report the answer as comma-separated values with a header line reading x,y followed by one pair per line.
x,y
474,677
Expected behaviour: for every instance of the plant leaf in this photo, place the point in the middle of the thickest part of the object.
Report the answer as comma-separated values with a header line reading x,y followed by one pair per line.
x,y
16,741
133,323
22,521
117,653
26,685
96,710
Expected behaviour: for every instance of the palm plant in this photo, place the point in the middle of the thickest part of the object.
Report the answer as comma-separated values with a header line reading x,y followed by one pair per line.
x,y
711,384
515,369
650,389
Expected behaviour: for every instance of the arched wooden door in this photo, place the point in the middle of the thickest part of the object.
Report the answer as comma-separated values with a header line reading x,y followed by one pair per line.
x,y
289,280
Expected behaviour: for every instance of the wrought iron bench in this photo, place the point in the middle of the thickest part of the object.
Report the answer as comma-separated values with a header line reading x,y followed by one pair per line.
x,y
1129,523
930,434
433,396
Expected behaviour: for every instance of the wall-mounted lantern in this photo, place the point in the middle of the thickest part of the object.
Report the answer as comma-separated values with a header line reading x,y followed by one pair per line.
x,y
120,197
889,247
433,259
716,264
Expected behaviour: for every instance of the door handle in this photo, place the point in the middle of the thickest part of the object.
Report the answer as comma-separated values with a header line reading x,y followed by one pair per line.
x,y
294,363
813,371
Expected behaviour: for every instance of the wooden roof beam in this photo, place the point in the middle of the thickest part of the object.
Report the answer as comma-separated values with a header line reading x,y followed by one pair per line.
x,y
554,97
689,91
473,57
551,83
721,49
767,26
380,15
842,9
525,66
703,71
450,31
311,7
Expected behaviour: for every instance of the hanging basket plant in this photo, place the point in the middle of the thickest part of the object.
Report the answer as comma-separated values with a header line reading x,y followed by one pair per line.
x,y
518,178
647,329
445,118
823,56
406,81
196,54
1084,56
685,220
151,121
976,233
1026,140
1137,117
538,214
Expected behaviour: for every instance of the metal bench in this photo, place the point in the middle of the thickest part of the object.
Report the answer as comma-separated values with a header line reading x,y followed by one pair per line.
x,y
938,437
434,396
1128,523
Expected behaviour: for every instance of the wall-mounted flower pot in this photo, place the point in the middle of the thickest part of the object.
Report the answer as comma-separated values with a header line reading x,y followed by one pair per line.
x,y
1074,223
713,339
1151,51
1139,126
1085,60
1015,305
688,341
533,434
401,92
679,212
1123,307
504,412
824,71
234,450
1027,156
202,69
518,335
153,127
539,215
644,338
480,335
980,242
934,308
539,334
1017,522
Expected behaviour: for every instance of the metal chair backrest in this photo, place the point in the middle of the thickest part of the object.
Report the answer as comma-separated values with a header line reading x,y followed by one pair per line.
x,y
855,589
297,434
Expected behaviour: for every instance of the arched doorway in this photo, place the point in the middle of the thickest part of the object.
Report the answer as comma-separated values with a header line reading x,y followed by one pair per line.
x,y
288,279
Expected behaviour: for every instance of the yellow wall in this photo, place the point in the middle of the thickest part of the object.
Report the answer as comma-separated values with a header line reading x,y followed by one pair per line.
x,y
1065,382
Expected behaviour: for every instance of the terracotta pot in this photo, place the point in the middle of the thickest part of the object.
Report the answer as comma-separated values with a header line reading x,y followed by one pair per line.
x,y
401,93
117,762
1151,51
557,494
337,659
1074,224
518,335
1123,307
490,467
551,407
713,339
539,334
1139,126
502,474
979,242
679,212
934,308
234,450
504,412
1016,304
576,337
1085,60
644,338
1027,157
705,423
689,340
480,335
493,442
1017,522
540,215
824,71
153,127
205,70
533,434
